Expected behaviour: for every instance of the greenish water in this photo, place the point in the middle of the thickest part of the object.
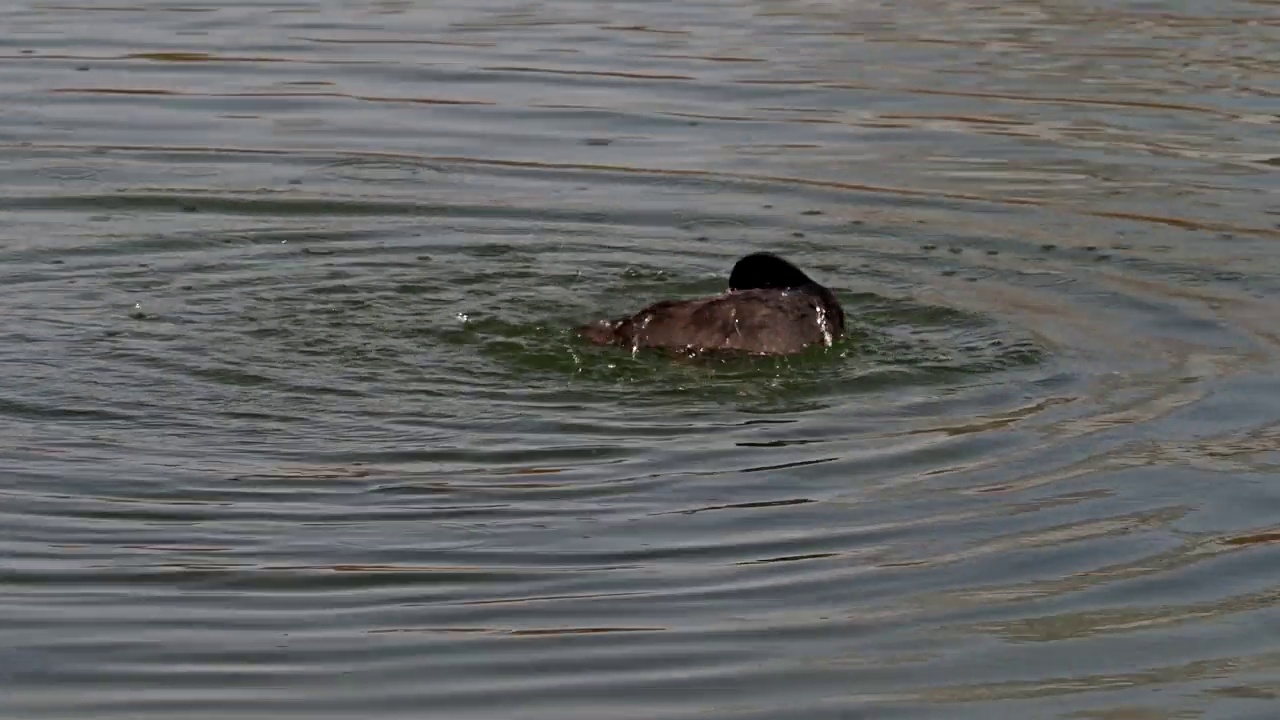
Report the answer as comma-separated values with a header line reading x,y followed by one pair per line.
x,y
293,424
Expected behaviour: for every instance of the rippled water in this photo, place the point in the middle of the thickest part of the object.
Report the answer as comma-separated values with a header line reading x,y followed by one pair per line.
x,y
293,423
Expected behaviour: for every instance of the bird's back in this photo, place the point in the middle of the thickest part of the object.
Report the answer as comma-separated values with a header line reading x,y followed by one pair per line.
x,y
757,321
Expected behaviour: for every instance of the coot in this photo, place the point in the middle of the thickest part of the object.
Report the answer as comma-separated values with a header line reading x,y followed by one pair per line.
x,y
771,308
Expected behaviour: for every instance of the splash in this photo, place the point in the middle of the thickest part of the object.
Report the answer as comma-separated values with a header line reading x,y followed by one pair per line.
x,y
827,337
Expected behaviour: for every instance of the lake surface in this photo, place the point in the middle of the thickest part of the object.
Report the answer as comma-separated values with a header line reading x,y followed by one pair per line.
x,y
293,423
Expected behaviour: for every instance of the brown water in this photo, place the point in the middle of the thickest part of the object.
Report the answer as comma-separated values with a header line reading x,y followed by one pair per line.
x,y
292,424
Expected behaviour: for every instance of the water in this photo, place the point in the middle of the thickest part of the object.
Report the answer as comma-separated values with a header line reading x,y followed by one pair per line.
x,y
294,425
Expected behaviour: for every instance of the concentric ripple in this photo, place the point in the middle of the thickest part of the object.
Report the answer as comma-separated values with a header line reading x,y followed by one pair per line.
x,y
295,424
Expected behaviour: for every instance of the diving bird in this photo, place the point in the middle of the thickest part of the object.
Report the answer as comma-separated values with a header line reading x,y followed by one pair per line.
x,y
771,308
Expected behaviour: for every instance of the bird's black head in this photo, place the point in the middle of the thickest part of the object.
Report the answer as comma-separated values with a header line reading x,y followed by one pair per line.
x,y
763,270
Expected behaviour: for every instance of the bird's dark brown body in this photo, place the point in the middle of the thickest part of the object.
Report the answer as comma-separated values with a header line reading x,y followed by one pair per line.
x,y
771,308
